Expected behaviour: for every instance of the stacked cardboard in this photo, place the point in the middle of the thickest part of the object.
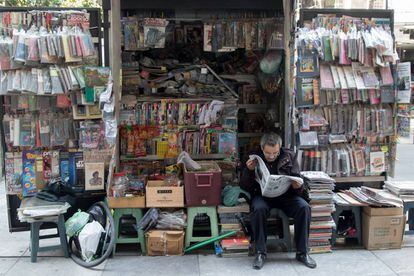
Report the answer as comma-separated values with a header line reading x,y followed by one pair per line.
x,y
321,195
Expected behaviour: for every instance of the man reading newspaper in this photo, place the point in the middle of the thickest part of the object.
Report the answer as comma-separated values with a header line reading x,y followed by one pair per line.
x,y
271,176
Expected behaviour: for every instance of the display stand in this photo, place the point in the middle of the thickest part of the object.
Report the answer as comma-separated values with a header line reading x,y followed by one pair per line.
x,y
363,176
85,199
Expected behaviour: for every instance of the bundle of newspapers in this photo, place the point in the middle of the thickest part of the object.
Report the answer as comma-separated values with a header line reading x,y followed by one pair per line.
x,y
321,188
402,189
366,196
272,185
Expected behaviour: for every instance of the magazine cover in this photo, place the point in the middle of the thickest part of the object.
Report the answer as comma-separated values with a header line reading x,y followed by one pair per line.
x,y
29,174
94,176
227,143
96,76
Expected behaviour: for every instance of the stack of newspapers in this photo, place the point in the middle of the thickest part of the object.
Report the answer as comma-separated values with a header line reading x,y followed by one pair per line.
x,y
321,194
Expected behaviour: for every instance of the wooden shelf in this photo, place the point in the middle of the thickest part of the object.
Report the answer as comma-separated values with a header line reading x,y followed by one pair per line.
x,y
248,134
157,158
258,106
347,179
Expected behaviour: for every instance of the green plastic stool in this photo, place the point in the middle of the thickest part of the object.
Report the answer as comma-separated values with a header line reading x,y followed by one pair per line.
x,y
35,236
137,214
286,240
192,212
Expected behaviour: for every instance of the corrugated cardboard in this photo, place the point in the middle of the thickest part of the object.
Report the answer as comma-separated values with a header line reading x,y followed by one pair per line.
x,y
372,211
159,195
164,243
126,202
382,232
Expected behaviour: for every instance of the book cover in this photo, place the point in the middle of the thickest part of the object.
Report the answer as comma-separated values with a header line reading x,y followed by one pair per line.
x,y
386,76
377,162
308,64
40,183
96,76
29,173
305,96
76,171
387,94
64,166
227,143
94,176
18,170
236,243
327,81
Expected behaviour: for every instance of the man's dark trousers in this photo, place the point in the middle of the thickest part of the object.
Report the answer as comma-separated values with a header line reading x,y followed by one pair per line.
x,y
294,206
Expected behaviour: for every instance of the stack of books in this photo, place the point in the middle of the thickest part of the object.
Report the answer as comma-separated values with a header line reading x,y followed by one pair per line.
x,y
321,194
237,245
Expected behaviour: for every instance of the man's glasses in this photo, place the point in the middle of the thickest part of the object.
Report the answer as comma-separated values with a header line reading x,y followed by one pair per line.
x,y
271,155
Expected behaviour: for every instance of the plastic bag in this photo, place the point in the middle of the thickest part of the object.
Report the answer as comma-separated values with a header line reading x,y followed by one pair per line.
x,y
149,220
76,223
89,239
175,220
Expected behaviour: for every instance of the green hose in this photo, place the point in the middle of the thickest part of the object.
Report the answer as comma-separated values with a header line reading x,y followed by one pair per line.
x,y
210,240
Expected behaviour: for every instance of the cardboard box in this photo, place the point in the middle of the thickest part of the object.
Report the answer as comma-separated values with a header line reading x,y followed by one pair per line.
x,y
126,202
373,212
383,229
164,242
159,195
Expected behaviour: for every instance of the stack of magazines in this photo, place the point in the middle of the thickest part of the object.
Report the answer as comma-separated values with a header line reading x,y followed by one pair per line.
x,y
321,195
237,245
402,189
366,196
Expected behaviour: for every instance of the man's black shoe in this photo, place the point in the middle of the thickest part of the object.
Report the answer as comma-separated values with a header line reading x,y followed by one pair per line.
x,y
306,260
259,261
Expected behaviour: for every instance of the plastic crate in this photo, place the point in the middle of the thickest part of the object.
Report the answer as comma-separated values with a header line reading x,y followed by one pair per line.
x,y
203,187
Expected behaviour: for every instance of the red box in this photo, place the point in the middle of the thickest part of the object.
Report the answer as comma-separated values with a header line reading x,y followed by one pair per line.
x,y
203,187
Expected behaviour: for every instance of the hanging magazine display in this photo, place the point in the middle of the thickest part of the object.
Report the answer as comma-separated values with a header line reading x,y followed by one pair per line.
x,y
46,82
272,185
346,123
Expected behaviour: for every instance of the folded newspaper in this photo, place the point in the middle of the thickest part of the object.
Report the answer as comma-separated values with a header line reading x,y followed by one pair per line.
x,y
272,185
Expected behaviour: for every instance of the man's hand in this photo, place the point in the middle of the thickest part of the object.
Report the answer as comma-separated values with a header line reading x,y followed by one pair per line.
x,y
251,164
296,185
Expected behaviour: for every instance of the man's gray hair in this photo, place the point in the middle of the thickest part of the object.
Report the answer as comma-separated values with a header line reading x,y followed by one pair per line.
x,y
270,139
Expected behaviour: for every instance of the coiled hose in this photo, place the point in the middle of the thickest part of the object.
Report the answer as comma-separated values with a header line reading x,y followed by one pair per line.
x,y
107,249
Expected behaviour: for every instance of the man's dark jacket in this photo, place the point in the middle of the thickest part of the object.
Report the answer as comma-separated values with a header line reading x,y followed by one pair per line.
x,y
285,164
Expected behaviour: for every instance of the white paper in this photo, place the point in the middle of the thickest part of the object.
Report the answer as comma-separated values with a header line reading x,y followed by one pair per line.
x,y
272,185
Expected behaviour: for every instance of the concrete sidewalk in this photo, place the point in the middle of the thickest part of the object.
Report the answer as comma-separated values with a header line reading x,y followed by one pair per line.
x,y
15,260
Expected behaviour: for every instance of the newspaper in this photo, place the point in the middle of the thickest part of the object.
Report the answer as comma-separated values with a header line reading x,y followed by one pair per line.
x,y
272,185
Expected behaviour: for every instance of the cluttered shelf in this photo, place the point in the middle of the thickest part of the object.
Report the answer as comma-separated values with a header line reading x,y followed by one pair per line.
x,y
156,157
